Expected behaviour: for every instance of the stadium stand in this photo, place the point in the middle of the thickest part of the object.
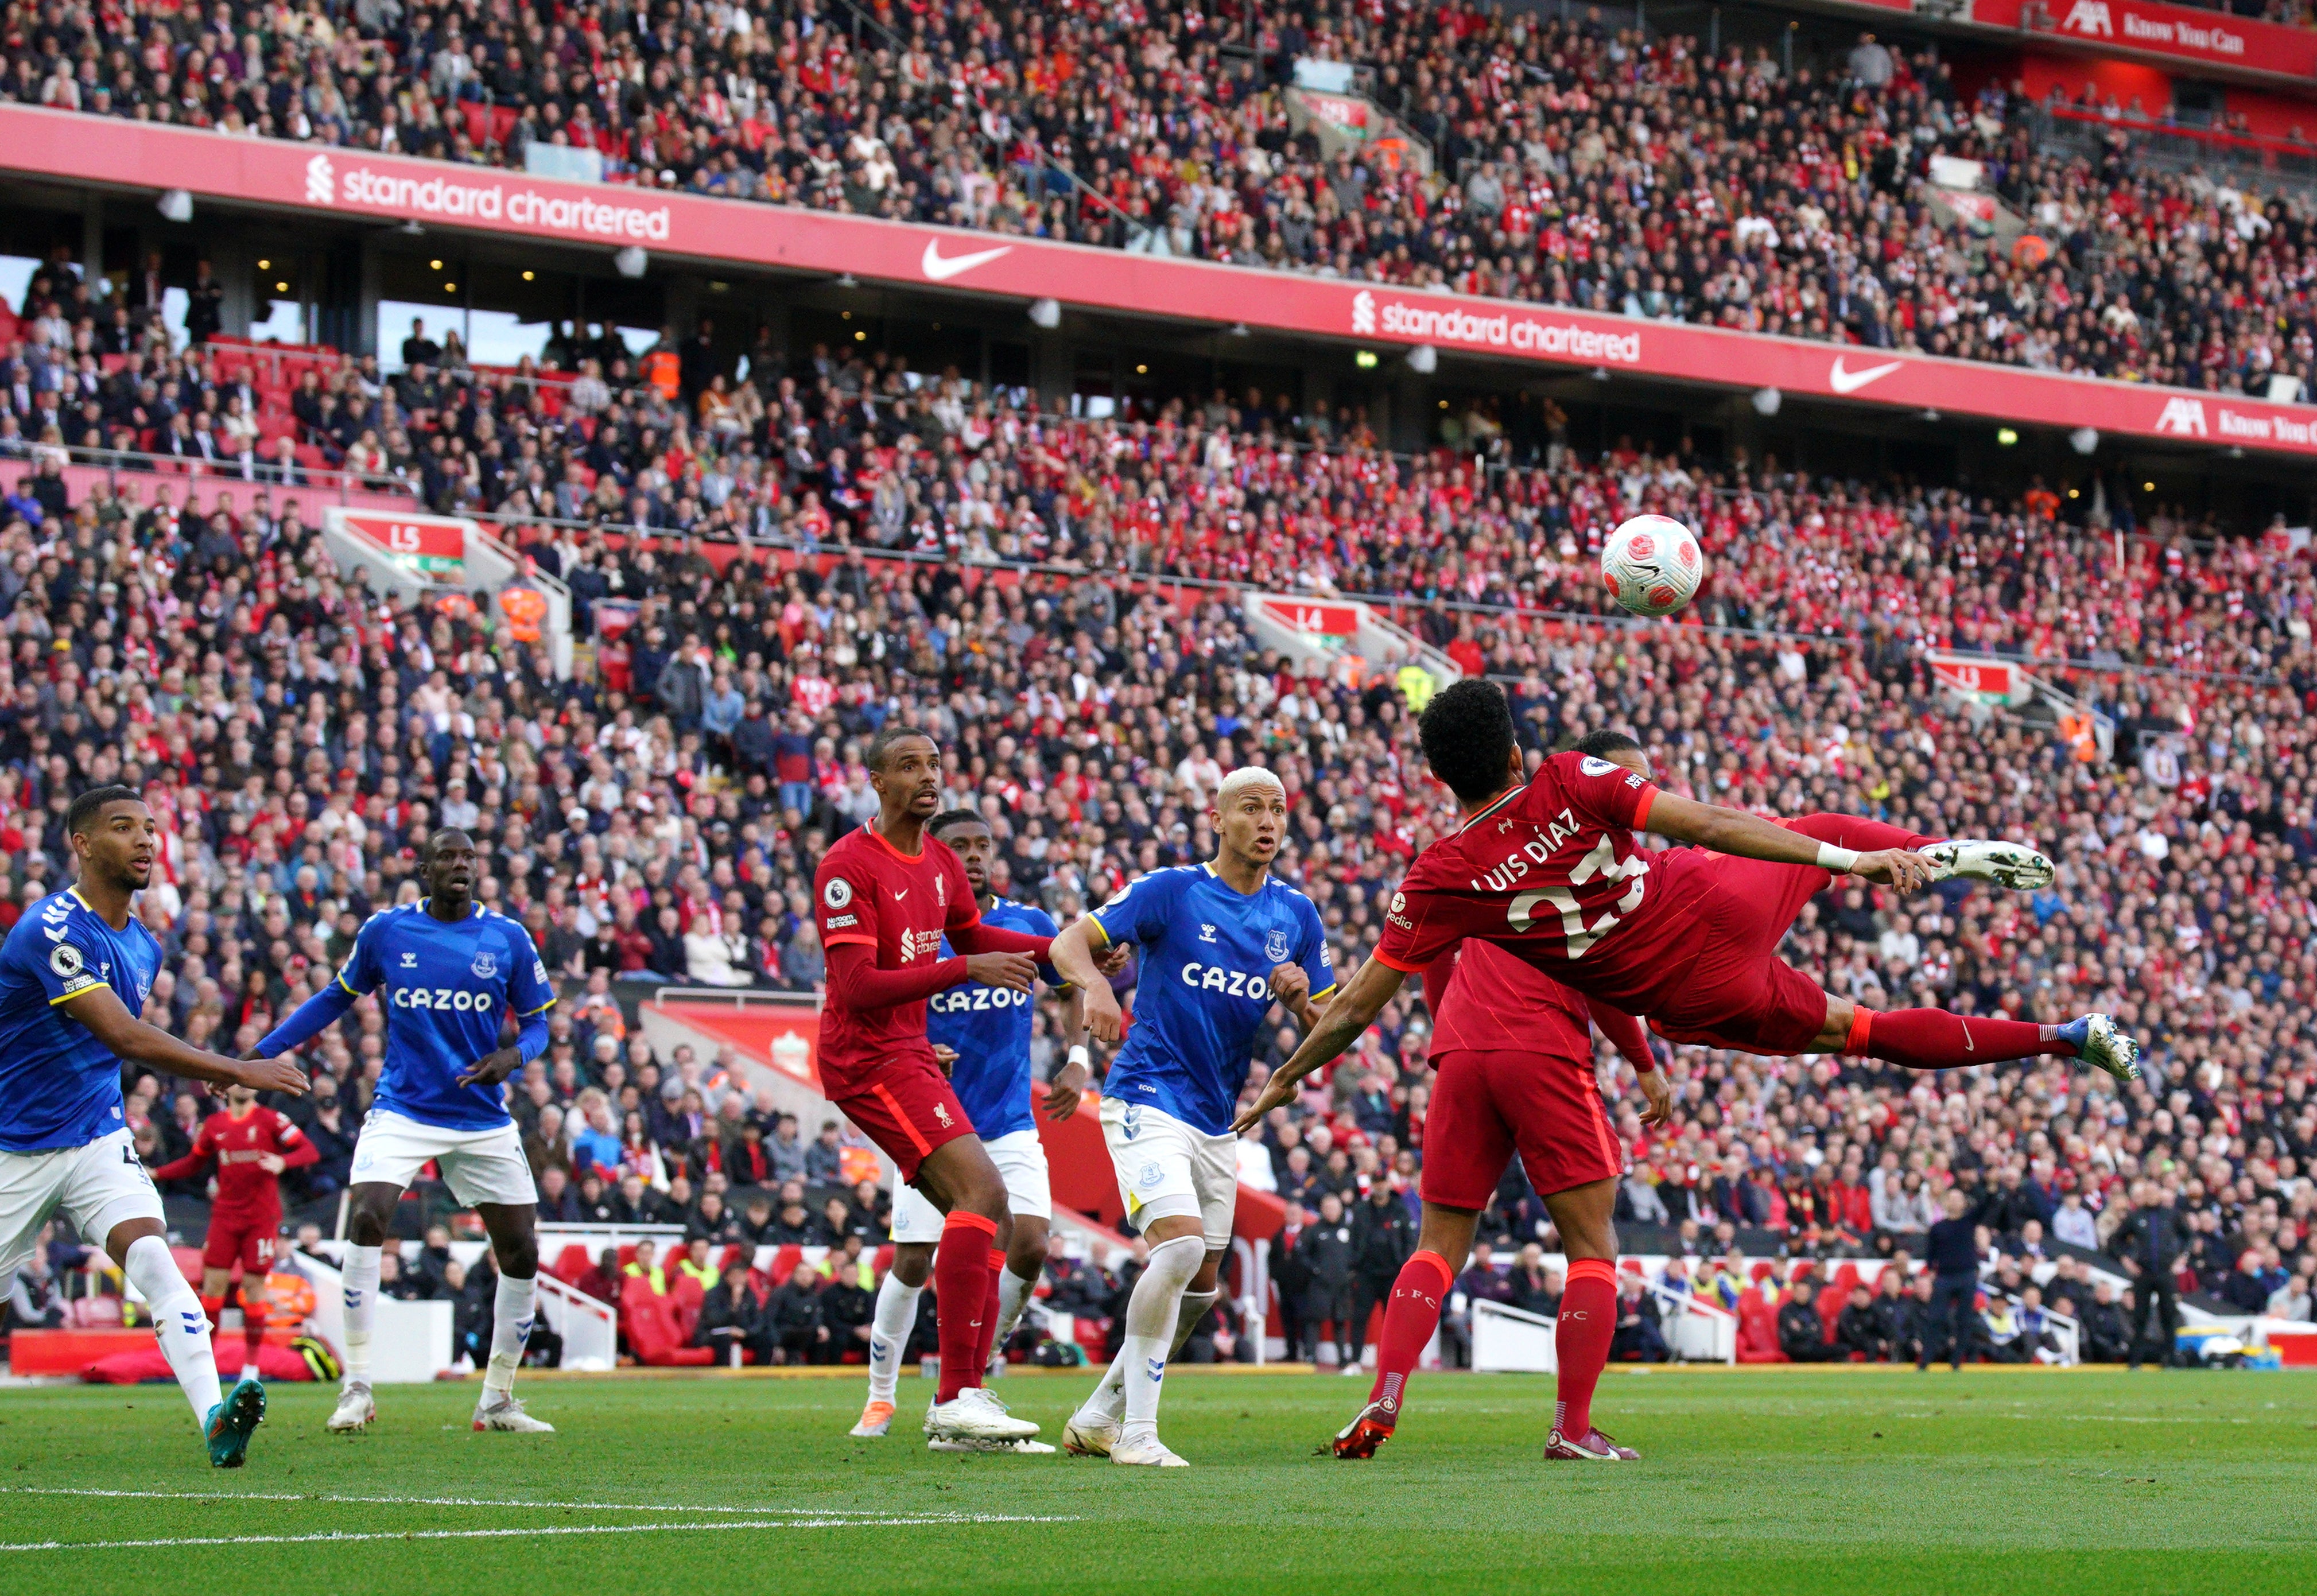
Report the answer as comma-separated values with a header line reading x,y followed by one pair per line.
x,y
1564,162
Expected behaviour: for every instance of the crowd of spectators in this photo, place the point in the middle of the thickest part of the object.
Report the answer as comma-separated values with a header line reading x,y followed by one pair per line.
x,y
1572,163
656,818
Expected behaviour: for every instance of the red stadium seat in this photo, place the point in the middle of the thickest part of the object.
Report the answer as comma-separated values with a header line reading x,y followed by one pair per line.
x,y
571,1263
649,1322
1829,1303
1757,1331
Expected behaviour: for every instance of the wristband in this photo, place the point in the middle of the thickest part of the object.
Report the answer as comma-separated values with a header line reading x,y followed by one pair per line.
x,y
1078,1055
1840,860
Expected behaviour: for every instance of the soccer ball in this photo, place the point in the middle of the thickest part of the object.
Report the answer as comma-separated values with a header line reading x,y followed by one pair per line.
x,y
1651,564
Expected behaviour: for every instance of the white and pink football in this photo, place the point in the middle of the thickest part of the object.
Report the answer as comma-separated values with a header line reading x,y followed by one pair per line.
x,y
1652,565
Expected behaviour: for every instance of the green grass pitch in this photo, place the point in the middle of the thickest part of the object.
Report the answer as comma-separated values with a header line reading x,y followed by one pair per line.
x,y
1777,1481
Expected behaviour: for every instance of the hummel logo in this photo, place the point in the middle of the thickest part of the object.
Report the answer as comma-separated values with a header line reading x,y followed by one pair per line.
x,y
941,271
1157,1367
1850,383
410,961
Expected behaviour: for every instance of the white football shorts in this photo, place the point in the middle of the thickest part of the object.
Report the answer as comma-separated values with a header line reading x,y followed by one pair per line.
x,y
1167,1170
478,1165
1021,1159
97,1187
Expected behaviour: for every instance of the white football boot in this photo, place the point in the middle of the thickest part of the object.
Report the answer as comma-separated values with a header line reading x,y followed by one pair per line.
x,y
2015,865
1146,1451
976,1415
506,1413
355,1410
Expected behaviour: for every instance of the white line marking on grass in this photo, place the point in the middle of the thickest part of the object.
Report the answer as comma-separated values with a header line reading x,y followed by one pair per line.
x,y
606,1507
898,1521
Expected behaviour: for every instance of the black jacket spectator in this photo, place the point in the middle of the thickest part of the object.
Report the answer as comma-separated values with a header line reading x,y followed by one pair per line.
x,y
1802,1334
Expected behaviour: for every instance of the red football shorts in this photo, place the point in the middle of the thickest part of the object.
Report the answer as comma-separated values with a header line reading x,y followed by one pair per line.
x,y
907,1109
1485,1105
246,1239
1739,993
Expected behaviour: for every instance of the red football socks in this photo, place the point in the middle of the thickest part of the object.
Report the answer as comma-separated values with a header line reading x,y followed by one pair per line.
x,y
253,1334
1409,1318
990,1316
1588,1321
213,1307
1849,831
1934,1038
965,1294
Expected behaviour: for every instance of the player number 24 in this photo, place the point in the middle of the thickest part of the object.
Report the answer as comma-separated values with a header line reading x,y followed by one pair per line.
x,y
1601,861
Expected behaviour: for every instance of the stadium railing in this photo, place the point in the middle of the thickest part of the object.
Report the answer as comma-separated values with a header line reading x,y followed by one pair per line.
x,y
1696,1330
1512,1340
590,1329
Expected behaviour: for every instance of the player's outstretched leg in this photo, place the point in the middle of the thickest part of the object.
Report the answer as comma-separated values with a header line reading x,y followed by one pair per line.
x,y
1409,1318
183,1330
1582,1337
889,1339
1093,1429
2017,865
1936,1039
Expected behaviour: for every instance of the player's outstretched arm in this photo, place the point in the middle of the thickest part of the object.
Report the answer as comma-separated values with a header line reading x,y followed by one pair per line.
x,y
1750,837
1349,1012
126,1036
1073,957
309,1019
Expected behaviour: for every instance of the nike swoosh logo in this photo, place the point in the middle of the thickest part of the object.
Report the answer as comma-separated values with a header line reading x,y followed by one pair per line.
x,y
1850,383
899,896
1968,1044
941,271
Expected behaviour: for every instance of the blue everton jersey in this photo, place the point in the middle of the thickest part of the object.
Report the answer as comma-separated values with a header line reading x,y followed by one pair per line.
x,y
60,1087
448,987
989,1026
1204,985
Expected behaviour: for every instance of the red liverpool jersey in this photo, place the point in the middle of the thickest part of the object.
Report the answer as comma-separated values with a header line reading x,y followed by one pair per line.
x,y
246,1187
1485,1000
900,903
1550,873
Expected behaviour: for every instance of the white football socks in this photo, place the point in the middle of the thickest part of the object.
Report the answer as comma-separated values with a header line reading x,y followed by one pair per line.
x,y
1152,1314
1110,1396
361,1282
511,1321
179,1324
1013,1297
889,1334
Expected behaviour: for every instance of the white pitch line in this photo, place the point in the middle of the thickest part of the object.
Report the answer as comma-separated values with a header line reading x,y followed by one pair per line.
x,y
606,1507
347,1535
